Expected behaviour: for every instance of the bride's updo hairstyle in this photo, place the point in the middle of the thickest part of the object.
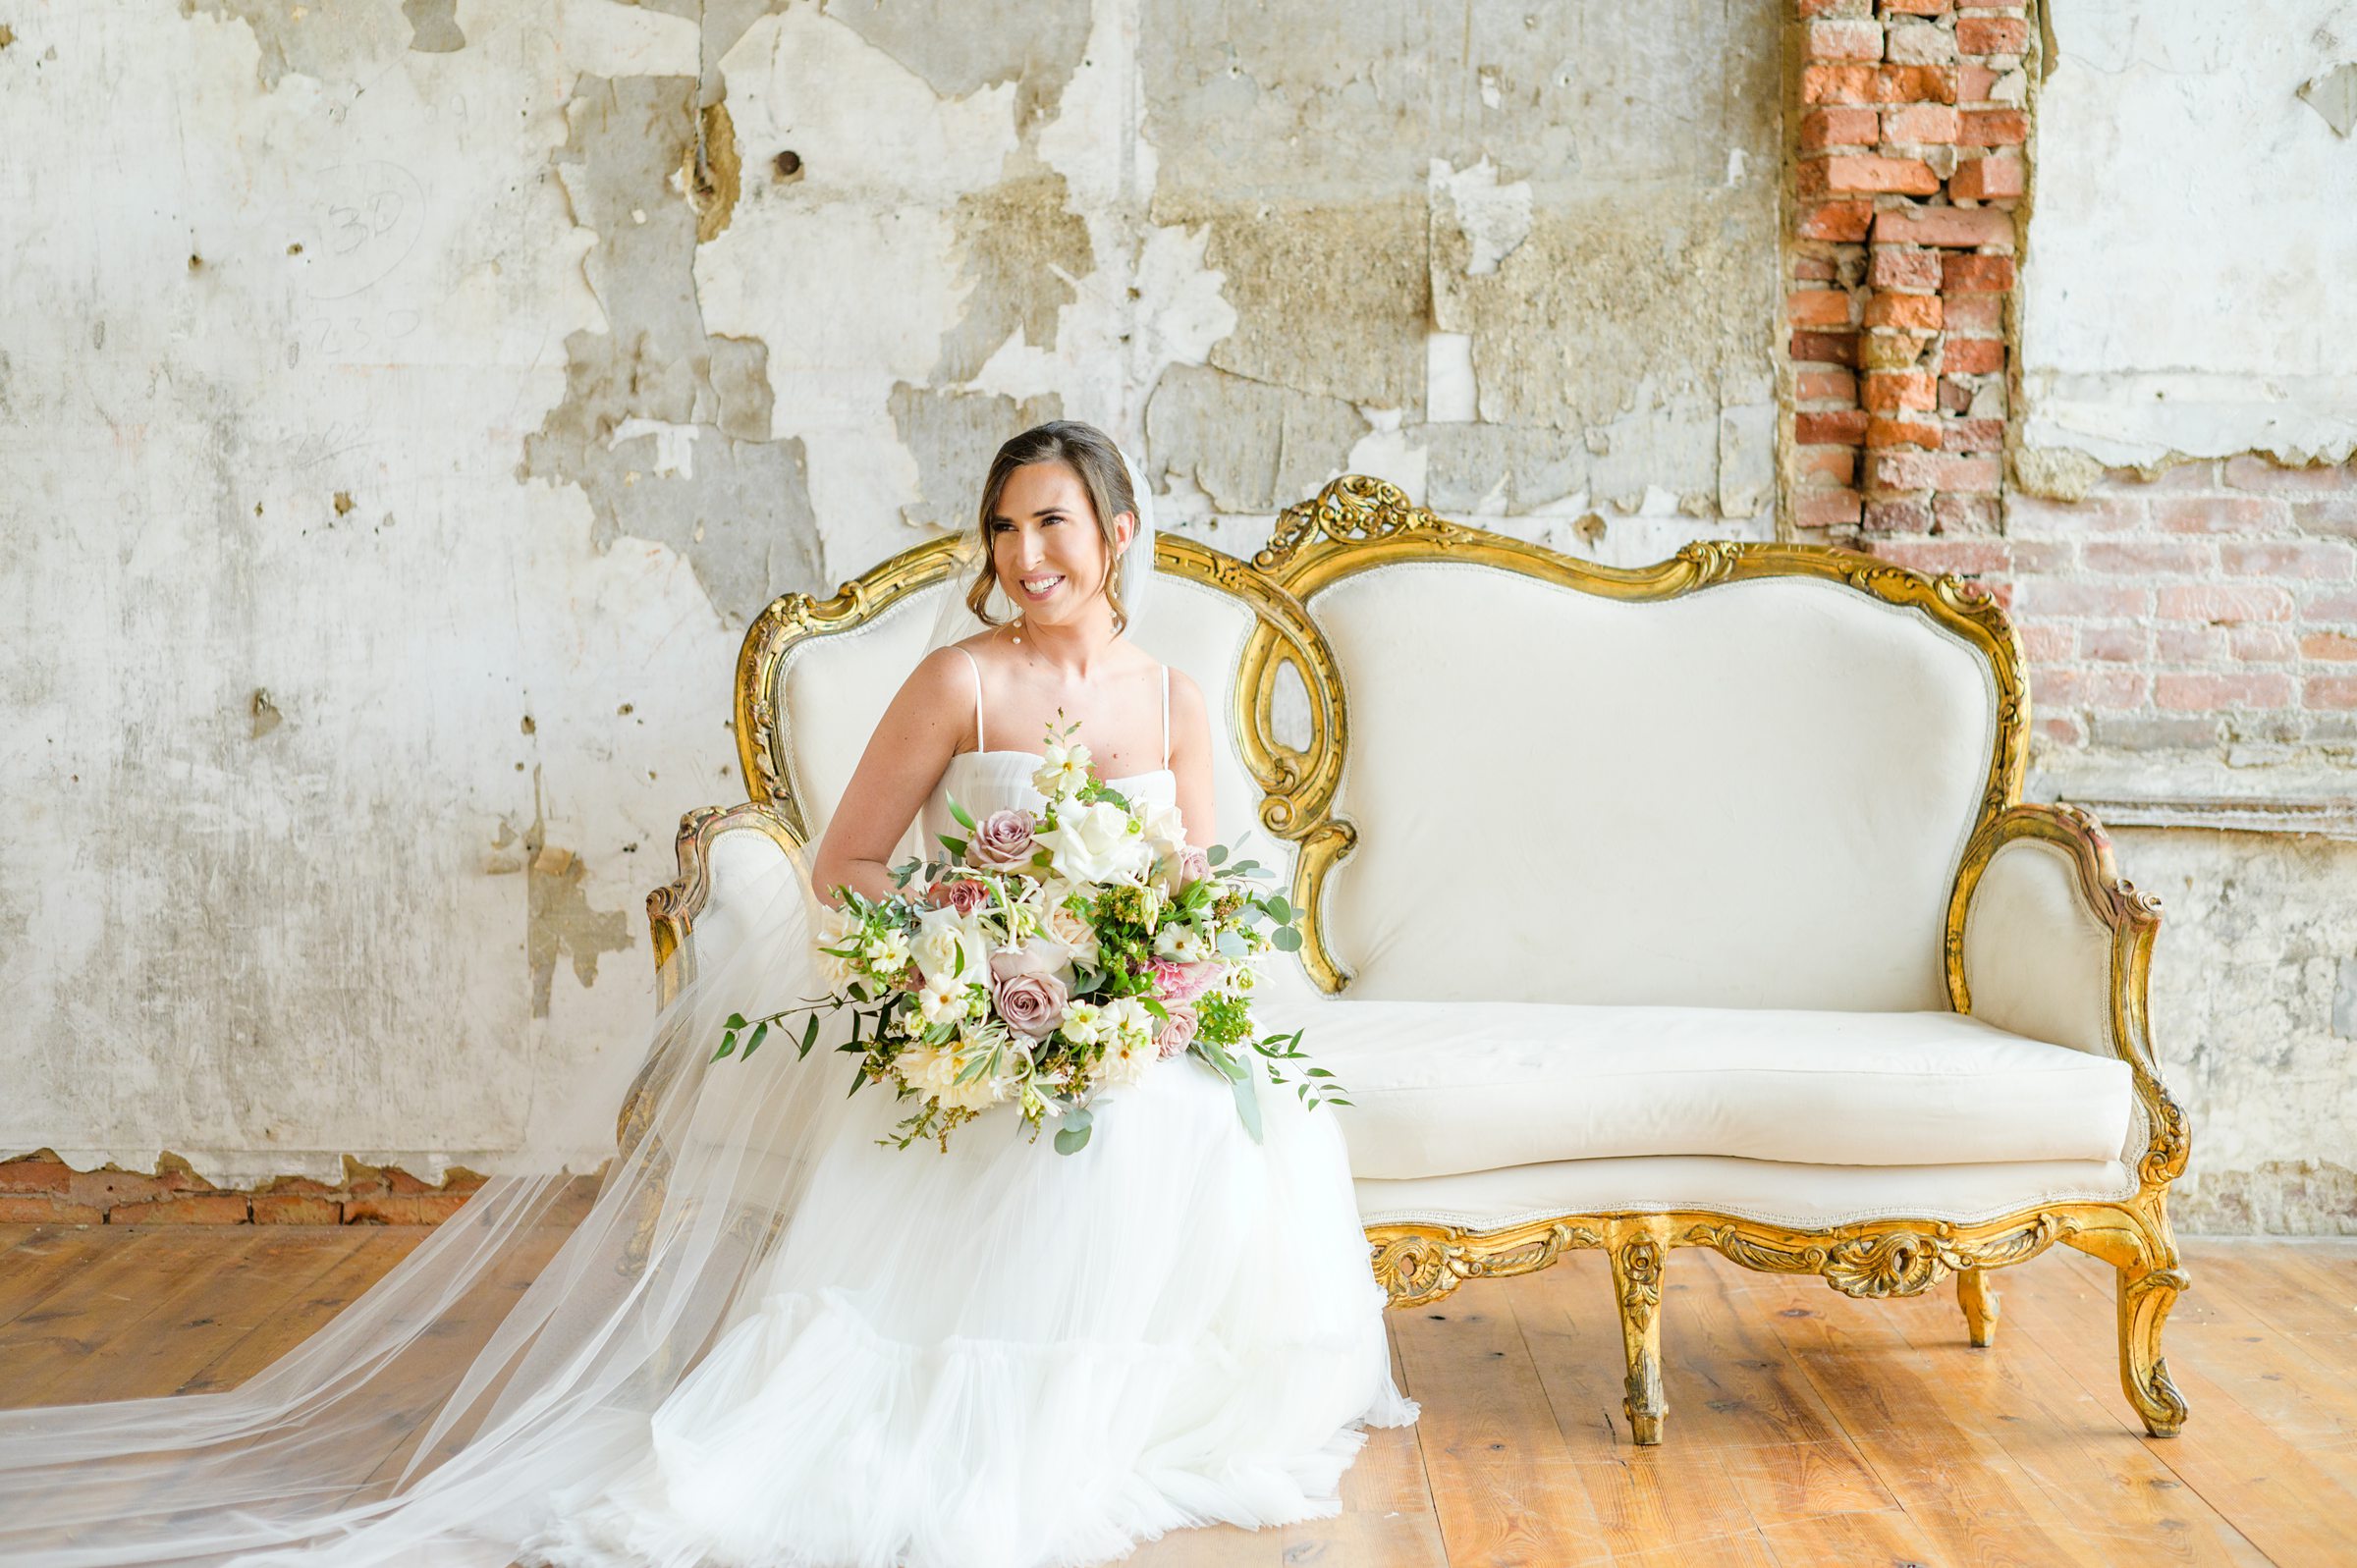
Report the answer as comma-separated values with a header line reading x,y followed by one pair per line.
x,y
1089,452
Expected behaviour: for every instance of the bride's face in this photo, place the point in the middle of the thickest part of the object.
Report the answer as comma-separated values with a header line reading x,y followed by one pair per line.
x,y
1046,546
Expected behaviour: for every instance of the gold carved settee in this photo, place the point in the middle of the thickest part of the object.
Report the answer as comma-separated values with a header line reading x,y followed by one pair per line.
x,y
1685,905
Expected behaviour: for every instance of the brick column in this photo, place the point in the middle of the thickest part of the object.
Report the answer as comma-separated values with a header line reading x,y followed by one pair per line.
x,y
1910,164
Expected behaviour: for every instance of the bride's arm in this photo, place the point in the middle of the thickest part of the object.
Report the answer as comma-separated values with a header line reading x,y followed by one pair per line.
x,y
905,759
1190,760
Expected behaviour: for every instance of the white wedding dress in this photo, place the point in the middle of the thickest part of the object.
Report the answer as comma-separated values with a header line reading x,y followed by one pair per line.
x,y
820,1353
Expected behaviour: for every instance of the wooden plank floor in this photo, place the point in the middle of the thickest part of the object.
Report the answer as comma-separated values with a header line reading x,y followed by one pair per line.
x,y
1804,1428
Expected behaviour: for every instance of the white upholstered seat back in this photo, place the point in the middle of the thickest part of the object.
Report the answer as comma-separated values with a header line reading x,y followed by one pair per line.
x,y
832,688
1750,795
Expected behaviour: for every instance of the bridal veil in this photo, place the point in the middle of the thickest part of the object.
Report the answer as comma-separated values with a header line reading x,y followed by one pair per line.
x,y
519,1347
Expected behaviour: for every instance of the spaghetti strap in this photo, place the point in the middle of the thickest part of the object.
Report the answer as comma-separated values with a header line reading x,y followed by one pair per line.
x,y
1165,715
981,744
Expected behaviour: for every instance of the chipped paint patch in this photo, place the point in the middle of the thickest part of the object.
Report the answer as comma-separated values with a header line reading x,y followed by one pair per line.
x,y
434,25
1493,218
952,436
1251,447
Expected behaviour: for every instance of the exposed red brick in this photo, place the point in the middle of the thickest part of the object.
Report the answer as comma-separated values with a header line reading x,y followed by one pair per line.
x,y
2178,642
1974,83
187,1209
1961,226
1846,426
1917,8
1835,464
1967,557
1975,315
1850,173
422,1208
2112,690
1887,391
1996,178
2248,473
1813,269
2318,560
2219,515
2226,604
1903,267
2199,691
1844,221
1911,312
1974,435
1976,475
1836,84
2062,729
2333,645
295,1208
2050,596
1955,396
1826,347
2261,645
1966,515
1919,124
1915,84
1900,468
2332,607
1883,432
1897,514
2127,644
1818,307
35,1209
40,1172
2148,557
1977,274
1820,508
1840,127
1991,128
2337,692
1843,41
1991,34
1972,357
1822,386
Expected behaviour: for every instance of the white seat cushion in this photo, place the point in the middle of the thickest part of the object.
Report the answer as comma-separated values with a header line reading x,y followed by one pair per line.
x,y
1442,1088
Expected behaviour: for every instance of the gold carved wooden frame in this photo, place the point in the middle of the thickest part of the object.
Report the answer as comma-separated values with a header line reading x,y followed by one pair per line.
x,y
1359,524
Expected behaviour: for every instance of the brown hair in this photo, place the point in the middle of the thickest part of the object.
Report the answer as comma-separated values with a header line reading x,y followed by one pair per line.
x,y
1091,455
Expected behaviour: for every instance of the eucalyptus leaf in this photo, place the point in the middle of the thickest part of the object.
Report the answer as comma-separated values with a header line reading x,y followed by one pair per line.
x,y
1278,908
1248,1105
1215,854
1071,1140
1285,939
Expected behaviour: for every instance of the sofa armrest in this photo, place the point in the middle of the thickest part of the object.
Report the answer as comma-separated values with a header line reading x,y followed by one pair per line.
x,y
2047,940
672,910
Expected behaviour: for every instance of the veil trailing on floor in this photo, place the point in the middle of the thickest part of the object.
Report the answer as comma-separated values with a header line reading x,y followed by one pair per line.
x,y
521,1347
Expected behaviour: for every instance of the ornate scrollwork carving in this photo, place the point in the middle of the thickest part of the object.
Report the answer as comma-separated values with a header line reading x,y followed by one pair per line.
x,y
1417,1263
1640,1275
1896,1260
1355,509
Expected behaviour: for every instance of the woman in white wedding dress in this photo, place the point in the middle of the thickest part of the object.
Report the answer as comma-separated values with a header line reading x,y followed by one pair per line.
x,y
774,1342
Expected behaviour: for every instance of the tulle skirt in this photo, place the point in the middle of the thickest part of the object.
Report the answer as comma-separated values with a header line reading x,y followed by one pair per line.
x,y
1003,1357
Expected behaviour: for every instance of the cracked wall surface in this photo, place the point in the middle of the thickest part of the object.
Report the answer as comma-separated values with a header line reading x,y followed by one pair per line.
x,y
411,422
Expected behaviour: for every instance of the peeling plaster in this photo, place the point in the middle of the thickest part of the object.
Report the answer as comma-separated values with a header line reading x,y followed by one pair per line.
x,y
736,504
952,436
1035,44
1251,447
433,26
559,922
1493,218
1023,249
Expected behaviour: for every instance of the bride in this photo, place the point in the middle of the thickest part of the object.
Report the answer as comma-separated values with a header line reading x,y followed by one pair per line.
x,y
773,1340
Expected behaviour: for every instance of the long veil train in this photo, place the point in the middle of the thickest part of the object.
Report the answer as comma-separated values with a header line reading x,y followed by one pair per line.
x,y
422,1425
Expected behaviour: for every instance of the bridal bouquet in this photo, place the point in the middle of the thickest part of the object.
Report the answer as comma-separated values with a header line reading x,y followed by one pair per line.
x,y
1050,955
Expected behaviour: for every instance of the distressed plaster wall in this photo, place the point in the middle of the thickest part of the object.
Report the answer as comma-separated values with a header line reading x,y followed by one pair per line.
x,y
404,403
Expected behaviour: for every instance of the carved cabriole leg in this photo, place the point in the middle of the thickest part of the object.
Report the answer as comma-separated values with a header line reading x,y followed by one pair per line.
x,y
1638,1248
2143,1248
1978,1298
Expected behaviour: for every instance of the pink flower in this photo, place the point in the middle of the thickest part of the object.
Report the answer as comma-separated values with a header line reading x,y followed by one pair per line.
x,y
1182,982
1177,1033
1031,1005
1193,866
1002,841
964,894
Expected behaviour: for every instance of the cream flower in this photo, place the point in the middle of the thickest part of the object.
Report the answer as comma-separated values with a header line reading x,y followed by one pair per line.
x,y
1184,943
1096,843
942,1000
950,945
1063,770
1073,931
1083,1023
886,951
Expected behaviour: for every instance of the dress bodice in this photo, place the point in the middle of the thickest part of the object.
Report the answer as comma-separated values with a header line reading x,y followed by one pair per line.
x,y
984,782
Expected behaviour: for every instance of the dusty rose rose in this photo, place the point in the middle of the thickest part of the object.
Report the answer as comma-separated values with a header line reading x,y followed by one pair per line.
x,y
1177,1033
1193,866
1002,841
964,894
1182,982
1032,1004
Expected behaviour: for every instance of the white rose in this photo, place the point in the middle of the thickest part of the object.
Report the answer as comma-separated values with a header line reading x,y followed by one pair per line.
x,y
1073,932
1063,770
949,946
1166,831
1096,843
